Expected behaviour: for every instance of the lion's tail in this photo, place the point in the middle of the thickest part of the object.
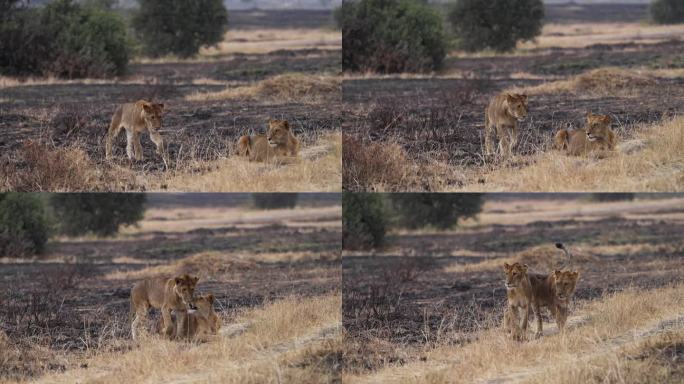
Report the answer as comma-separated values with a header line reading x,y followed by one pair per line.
x,y
568,255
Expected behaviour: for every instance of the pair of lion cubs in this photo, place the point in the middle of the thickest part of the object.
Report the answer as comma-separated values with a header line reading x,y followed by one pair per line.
x,y
143,116
528,292
507,109
176,294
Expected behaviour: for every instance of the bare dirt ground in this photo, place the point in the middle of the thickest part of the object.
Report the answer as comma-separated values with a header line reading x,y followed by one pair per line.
x,y
431,289
72,305
438,118
66,114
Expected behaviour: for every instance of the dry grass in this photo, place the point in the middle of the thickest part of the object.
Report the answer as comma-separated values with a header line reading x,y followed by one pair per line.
x,y
262,41
289,338
374,166
318,170
657,166
602,327
586,34
285,88
602,82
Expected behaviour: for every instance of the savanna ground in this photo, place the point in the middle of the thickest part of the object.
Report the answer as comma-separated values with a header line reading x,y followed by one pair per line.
x,y
427,307
602,58
271,65
64,318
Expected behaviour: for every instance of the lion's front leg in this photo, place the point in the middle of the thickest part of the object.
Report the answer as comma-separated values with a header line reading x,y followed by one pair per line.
x,y
168,322
182,326
537,313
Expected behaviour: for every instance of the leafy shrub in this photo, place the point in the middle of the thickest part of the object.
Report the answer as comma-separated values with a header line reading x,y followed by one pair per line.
x,y
667,11
495,24
62,39
99,213
179,27
274,200
24,228
440,210
391,36
364,220
611,196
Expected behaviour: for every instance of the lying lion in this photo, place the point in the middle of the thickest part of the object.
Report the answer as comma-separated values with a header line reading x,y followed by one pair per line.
x,y
199,325
167,295
595,137
278,143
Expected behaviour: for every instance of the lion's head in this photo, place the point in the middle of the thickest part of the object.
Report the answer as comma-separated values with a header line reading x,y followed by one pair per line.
x,y
565,282
597,126
278,132
205,304
516,105
185,288
152,114
515,275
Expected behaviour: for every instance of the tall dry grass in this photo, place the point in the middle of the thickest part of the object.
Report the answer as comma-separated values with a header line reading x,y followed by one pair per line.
x,y
284,88
290,338
599,328
318,170
655,164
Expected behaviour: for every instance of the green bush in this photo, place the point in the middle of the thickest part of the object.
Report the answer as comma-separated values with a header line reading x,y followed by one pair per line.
x,y
667,11
391,36
24,228
495,24
62,39
364,220
439,210
179,27
274,200
98,213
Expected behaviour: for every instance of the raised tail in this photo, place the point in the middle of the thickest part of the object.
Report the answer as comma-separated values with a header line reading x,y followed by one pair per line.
x,y
568,255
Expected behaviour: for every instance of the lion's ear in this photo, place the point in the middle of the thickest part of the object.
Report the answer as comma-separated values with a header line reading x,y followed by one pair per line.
x,y
507,266
161,106
211,298
194,279
606,119
557,273
148,108
524,267
575,275
589,114
286,124
178,280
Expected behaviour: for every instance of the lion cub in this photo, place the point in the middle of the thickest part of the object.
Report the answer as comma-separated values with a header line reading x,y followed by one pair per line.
x,y
136,118
596,136
519,293
198,325
278,142
176,294
504,112
553,291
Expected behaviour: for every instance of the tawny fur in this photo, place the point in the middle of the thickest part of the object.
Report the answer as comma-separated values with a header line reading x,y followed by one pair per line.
x,y
176,294
553,291
199,325
519,294
278,143
502,115
595,137
136,118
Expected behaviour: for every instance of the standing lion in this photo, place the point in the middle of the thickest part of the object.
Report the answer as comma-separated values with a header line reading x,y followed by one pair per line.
x,y
502,115
136,118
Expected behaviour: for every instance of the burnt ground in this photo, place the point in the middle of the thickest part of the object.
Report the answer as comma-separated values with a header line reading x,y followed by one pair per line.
x,y
406,296
80,112
441,119
72,307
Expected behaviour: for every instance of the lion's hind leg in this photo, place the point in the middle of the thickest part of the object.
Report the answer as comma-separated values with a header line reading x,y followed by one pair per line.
x,y
113,131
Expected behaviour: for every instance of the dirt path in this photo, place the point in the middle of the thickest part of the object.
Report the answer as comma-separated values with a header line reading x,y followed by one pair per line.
x,y
612,345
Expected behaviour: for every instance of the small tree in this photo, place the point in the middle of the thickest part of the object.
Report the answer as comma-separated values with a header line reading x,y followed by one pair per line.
x,y
391,36
364,220
99,213
275,200
24,228
440,210
495,24
667,11
179,27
